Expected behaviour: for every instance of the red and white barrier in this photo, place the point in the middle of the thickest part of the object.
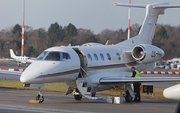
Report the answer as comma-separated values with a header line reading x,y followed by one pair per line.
x,y
12,69
142,72
161,72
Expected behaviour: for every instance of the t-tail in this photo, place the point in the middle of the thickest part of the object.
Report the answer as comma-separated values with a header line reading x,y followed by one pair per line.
x,y
12,55
147,30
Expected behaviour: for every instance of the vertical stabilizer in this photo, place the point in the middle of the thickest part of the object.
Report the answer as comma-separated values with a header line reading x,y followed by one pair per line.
x,y
147,31
12,55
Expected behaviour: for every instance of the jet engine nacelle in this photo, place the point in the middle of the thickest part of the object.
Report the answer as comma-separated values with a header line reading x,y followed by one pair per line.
x,y
146,53
172,92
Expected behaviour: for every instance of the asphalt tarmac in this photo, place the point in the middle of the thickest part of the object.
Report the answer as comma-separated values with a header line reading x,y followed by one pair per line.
x,y
17,101
11,64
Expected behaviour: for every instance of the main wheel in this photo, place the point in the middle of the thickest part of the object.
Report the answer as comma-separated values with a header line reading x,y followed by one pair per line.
x,y
77,97
128,97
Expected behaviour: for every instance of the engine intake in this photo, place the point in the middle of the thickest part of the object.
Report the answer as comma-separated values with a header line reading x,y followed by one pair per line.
x,y
138,53
146,53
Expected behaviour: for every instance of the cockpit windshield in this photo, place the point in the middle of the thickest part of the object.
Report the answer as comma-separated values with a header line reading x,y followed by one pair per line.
x,y
53,56
41,56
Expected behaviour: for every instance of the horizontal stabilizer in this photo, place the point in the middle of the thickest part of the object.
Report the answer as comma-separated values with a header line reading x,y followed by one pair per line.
x,y
167,6
162,5
130,5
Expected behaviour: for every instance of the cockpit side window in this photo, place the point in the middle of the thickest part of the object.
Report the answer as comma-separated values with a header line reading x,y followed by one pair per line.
x,y
66,56
53,56
41,56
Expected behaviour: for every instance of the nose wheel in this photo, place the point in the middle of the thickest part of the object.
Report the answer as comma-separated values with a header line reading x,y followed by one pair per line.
x,y
39,96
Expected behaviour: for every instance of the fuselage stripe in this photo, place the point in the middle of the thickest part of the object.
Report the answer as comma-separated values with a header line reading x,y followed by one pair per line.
x,y
102,67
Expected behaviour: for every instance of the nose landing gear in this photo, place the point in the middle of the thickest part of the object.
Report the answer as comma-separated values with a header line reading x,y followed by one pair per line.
x,y
39,96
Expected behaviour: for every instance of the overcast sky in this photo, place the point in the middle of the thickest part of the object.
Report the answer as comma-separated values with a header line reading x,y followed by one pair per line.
x,y
88,14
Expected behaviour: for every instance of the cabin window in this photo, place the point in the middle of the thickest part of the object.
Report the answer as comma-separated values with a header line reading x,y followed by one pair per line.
x,y
96,57
102,57
108,56
118,56
89,57
53,56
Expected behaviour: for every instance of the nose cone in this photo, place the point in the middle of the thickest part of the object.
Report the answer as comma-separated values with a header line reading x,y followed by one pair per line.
x,y
27,77
24,78
30,74
35,72
172,92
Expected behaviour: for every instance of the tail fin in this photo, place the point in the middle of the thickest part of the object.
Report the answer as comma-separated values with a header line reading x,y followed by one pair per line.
x,y
12,55
147,31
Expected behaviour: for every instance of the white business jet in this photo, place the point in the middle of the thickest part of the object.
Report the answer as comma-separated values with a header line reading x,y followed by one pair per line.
x,y
95,67
21,59
172,92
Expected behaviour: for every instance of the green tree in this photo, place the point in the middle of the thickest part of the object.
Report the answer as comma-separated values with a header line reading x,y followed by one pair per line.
x,y
160,37
30,51
16,29
55,33
88,38
61,33
16,34
162,33
71,30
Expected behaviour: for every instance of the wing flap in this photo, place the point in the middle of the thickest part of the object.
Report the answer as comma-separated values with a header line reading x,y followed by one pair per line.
x,y
106,80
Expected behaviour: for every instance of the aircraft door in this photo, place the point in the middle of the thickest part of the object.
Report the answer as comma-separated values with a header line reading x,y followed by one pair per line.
x,y
83,61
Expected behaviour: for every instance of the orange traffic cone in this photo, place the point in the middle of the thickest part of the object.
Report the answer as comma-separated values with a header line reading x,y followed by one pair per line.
x,y
153,94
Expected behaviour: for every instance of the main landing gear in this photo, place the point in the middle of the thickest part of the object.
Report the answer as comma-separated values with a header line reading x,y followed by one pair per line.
x,y
128,97
77,94
127,93
77,97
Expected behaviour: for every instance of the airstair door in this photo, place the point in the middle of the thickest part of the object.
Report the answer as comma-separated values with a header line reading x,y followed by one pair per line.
x,y
83,61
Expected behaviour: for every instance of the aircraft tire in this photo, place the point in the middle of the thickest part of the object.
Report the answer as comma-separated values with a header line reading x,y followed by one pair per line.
x,y
128,97
77,97
40,98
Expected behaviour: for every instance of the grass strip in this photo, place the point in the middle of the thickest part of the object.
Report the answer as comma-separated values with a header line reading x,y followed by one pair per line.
x,y
61,87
